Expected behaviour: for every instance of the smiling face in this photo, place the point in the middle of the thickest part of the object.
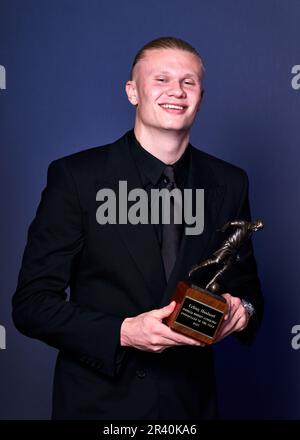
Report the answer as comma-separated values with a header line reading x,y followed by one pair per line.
x,y
166,88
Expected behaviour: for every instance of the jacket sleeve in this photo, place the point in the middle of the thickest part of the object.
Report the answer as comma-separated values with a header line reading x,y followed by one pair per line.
x,y
243,280
40,307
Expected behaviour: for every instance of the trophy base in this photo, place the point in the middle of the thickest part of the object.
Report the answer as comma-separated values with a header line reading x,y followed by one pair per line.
x,y
198,312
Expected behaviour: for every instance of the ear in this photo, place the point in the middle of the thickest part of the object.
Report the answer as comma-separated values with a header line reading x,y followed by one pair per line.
x,y
131,92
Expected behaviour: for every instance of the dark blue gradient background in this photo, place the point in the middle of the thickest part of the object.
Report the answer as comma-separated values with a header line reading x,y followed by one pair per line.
x,y
67,62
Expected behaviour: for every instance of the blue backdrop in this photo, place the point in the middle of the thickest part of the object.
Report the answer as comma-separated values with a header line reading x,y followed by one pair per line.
x,y
66,63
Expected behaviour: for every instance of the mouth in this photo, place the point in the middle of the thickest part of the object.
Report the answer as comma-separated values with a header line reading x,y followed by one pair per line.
x,y
173,108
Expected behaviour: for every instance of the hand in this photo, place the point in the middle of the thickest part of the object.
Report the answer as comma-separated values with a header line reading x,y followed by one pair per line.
x,y
235,320
147,332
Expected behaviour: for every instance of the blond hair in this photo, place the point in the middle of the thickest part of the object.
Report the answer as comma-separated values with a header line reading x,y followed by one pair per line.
x,y
166,43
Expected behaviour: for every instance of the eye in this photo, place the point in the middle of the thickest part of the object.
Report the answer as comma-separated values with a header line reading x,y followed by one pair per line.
x,y
160,79
189,83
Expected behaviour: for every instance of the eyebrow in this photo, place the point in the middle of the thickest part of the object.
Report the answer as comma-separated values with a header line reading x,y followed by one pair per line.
x,y
187,75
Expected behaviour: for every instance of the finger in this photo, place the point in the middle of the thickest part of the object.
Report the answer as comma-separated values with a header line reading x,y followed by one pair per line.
x,y
221,331
179,339
236,325
166,342
227,296
164,312
226,326
237,322
242,322
234,305
187,341
171,337
239,316
193,342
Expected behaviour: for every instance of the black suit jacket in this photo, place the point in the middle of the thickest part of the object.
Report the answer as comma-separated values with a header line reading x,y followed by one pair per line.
x,y
115,271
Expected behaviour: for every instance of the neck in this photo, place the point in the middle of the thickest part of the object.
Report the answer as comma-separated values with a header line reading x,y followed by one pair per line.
x,y
167,145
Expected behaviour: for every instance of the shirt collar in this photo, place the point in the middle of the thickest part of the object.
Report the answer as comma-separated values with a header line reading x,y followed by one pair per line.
x,y
151,168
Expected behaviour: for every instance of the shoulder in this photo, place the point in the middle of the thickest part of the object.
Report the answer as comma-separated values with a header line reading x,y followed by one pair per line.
x,y
88,161
221,171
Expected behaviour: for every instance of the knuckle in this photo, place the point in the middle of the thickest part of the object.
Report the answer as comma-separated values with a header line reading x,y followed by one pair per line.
x,y
235,301
154,340
238,302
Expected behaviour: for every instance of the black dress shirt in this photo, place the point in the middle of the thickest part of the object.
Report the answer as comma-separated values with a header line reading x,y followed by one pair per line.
x,y
151,170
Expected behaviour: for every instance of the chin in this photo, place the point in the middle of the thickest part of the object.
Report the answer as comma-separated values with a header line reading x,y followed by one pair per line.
x,y
175,127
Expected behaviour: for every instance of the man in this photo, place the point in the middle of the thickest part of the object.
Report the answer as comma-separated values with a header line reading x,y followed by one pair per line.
x,y
117,359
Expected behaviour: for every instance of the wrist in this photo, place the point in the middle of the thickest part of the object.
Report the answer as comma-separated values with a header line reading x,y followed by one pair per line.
x,y
124,331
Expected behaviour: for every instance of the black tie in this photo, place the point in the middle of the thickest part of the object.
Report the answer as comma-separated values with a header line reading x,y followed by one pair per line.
x,y
171,232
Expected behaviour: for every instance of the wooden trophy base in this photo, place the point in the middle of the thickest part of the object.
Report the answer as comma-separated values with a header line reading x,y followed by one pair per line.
x,y
198,312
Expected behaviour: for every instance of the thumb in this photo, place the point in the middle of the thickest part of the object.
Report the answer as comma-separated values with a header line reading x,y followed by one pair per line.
x,y
164,311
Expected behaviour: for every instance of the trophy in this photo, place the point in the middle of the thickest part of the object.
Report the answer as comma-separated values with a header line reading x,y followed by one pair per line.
x,y
200,310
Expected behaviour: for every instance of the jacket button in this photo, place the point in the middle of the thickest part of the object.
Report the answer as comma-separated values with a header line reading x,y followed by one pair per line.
x,y
140,373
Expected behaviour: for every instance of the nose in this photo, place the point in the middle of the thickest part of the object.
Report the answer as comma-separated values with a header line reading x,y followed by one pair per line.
x,y
176,90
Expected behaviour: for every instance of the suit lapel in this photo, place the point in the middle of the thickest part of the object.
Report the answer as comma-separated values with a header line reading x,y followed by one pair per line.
x,y
140,240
